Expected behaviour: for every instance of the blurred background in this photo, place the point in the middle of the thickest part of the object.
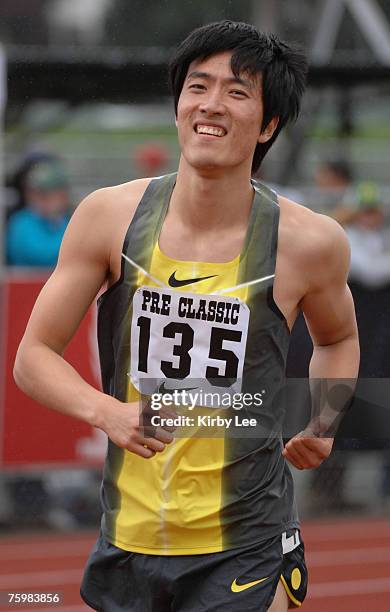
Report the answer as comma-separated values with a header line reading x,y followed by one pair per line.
x,y
84,103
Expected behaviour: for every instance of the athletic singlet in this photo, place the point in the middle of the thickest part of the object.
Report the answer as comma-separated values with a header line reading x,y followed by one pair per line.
x,y
201,494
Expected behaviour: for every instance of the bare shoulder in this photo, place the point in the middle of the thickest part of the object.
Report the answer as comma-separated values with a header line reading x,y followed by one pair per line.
x,y
110,201
98,227
106,209
316,242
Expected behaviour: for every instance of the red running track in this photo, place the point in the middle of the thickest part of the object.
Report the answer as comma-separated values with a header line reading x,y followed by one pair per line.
x,y
349,565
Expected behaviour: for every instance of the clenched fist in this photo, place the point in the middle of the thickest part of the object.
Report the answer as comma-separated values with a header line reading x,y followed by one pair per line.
x,y
306,451
127,426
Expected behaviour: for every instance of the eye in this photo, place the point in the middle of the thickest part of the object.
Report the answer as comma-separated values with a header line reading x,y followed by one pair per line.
x,y
239,93
197,87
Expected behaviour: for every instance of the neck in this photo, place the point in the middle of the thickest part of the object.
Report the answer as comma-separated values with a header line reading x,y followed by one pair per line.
x,y
210,198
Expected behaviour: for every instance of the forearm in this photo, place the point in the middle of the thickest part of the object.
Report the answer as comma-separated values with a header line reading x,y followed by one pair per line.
x,y
50,380
338,360
333,372
330,366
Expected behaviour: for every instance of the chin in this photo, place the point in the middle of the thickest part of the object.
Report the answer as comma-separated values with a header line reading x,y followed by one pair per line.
x,y
207,162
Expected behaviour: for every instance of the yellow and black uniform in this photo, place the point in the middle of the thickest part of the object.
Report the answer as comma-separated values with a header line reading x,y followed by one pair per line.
x,y
168,319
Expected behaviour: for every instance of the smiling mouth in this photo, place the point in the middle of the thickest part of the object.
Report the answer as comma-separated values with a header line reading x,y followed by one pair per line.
x,y
210,130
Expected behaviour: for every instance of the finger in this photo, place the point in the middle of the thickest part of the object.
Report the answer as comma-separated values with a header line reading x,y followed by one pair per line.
x,y
319,444
164,435
166,420
303,457
165,427
146,430
153,444
149,430
294,457
317,449
311,456
142,451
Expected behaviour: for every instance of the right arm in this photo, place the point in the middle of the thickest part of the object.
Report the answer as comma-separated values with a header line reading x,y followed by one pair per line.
x,y
40,369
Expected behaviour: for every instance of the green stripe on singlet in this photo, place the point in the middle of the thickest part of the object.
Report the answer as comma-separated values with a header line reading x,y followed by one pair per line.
x,y
116,305
247,505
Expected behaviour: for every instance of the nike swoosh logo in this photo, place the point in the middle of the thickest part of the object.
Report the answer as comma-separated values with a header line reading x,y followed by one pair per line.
x,y
174,282
237,588
162,389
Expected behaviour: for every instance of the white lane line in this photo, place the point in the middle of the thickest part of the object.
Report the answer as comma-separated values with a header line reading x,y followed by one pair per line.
x,y
53,550
315,559
356,556
317,590
36,579
348,588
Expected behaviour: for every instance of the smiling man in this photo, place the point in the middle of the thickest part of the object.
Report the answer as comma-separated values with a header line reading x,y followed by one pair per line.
x,y
206,272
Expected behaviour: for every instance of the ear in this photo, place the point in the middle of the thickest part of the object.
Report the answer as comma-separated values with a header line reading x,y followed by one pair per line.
x,y
268,131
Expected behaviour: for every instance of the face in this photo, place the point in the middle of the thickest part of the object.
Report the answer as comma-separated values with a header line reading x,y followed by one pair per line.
x,y
370,218
219,117
51,203
329,180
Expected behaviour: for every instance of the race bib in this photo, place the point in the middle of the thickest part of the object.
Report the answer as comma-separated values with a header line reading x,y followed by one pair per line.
x,y
179,340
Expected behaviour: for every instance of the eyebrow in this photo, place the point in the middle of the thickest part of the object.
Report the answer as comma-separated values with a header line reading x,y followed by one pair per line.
x,y
196,74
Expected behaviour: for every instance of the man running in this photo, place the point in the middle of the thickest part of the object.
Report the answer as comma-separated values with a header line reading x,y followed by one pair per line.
x,y
206,273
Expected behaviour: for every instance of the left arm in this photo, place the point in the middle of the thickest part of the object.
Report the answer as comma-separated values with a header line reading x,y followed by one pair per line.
x,y
330,315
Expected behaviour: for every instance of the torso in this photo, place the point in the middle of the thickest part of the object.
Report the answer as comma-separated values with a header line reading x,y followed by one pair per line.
x,y
217,471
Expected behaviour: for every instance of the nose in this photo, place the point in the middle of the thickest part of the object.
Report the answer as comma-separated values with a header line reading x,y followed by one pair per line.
x,y
212,103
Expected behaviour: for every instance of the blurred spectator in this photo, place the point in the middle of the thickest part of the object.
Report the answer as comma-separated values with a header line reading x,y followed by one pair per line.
x,y
334,177
34,232
334,180
369,279
369,239
15,182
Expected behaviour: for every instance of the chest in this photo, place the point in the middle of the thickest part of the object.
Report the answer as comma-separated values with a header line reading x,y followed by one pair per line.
x,y
224,247
210,245
181,243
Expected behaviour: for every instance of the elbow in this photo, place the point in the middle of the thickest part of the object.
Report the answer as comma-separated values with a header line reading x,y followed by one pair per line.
x,y
352,357
17,371
20,369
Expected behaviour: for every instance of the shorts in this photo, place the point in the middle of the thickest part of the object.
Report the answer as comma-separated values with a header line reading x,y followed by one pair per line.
x,y
236,580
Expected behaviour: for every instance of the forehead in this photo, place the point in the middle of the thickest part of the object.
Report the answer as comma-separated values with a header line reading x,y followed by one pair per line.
x,y
219,64
217,60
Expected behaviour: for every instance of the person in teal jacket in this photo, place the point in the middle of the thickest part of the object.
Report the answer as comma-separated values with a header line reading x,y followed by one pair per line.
x,y
34,233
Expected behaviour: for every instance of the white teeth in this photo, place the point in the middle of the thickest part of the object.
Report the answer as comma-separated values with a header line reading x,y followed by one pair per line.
x,y
208,129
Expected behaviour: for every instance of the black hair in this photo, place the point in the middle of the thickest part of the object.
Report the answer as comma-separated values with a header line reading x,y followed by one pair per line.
x,y
339,167
283,68
17,181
